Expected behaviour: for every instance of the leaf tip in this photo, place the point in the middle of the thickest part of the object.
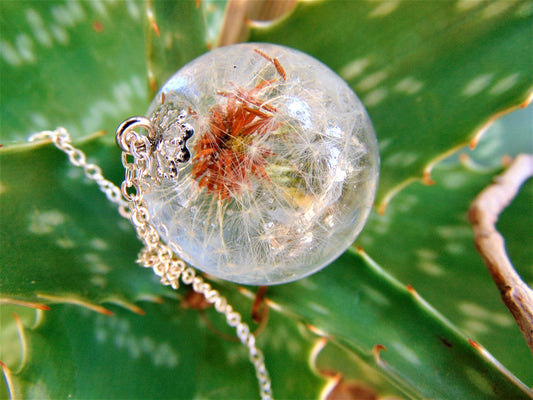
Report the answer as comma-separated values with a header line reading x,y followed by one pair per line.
x,y
157,299
316,349
381,207
474,142
156,28
379,347
151,298
275,306
376,351
426,179
412,290
100,133
77,302
245,292
138,310
475,345
317,331
37,306
105,311
127,305
98,26
8,380
527,101
17,318
153,23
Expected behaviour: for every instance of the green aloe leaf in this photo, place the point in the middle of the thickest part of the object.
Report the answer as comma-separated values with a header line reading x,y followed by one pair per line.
x,y
431,73
353,375
359,306
75,64
56,46
57,244
349,278
171,44
74,352
429,243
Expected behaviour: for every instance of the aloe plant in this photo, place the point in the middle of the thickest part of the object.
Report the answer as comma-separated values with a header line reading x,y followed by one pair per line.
x,y
409,311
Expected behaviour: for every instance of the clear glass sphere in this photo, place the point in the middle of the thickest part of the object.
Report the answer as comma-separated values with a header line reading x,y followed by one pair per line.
x,y
280,173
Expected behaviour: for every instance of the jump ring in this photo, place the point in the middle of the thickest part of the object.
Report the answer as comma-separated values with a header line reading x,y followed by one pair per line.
x,y
122,136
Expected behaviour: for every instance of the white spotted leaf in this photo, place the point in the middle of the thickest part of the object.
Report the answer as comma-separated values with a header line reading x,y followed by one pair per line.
x,y
432,74
78,353
425,240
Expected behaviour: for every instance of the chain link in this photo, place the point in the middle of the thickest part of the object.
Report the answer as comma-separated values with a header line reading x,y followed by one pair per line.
x,y
62,141
155,255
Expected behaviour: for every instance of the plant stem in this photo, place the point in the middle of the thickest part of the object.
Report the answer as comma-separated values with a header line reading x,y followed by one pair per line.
x,y
483,215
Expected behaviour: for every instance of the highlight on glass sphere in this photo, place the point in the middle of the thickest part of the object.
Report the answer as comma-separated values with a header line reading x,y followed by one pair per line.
x,y
265,164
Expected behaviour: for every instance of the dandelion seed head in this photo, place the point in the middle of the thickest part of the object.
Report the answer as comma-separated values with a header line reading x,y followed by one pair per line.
x,y
283,164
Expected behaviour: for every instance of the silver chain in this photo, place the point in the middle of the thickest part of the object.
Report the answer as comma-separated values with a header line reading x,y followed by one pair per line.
x,y
61,139
155,254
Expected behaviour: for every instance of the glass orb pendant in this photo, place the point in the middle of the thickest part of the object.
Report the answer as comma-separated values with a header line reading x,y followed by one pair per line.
x,y
264,164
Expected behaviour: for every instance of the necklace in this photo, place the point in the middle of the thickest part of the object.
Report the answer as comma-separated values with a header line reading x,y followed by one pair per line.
x,y
256,164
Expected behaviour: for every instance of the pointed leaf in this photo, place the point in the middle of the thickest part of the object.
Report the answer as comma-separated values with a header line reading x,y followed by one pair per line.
x,y
356,304
75,64
432,73
74,352
429,244
175,34
56,228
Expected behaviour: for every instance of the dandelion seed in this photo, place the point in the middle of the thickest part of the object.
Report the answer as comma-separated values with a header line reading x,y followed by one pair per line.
x,y
282,170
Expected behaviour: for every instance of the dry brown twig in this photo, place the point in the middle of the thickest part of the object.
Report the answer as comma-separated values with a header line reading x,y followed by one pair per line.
x,y
483,215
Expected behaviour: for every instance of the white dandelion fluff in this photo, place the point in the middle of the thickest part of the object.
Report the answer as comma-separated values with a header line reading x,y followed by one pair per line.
x,y
280,173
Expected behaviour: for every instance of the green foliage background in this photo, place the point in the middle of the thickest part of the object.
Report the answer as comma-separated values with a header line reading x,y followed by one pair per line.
x,y
432,75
